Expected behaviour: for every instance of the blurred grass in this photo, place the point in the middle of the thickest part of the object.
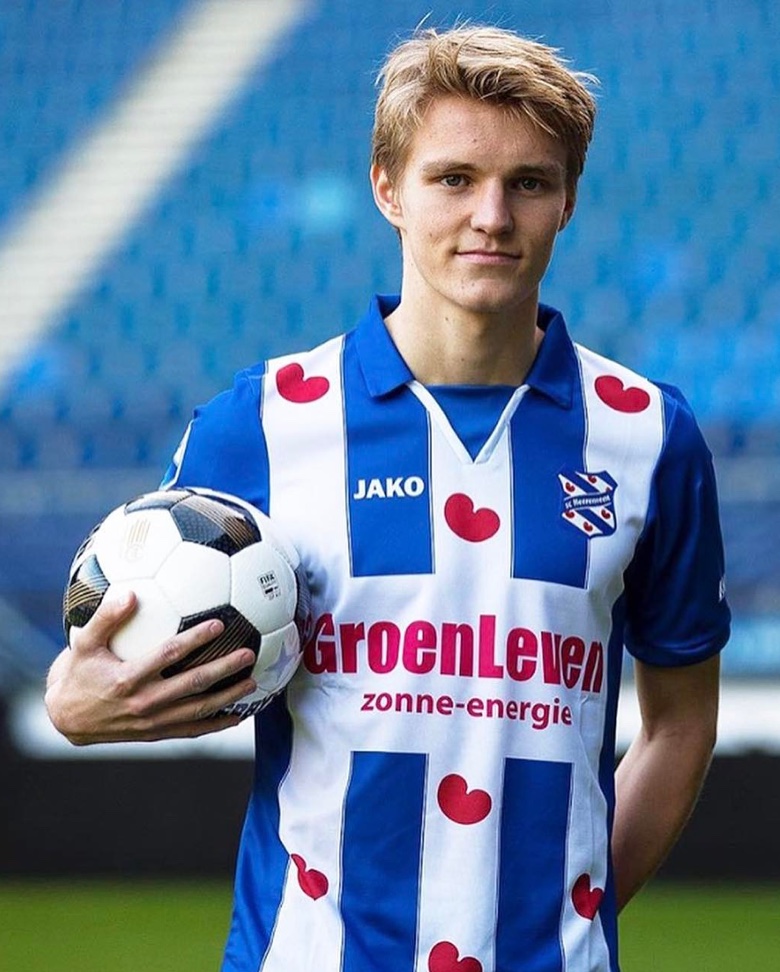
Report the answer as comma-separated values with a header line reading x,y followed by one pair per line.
x,y
702,928
168,926
128,926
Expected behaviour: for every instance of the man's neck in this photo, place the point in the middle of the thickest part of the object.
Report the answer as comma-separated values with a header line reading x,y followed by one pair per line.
x,y
450,346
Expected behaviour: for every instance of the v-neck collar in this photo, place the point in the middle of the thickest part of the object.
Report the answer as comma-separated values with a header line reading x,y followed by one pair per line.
x,y
445,426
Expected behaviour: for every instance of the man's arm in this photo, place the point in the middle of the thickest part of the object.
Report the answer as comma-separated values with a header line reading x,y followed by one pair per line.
x,y
658,780
93,697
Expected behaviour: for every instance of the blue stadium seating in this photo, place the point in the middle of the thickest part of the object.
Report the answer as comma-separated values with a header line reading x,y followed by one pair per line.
x,y
268,240
61,66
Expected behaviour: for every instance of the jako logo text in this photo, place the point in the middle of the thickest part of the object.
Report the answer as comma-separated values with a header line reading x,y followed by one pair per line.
x,y
389,487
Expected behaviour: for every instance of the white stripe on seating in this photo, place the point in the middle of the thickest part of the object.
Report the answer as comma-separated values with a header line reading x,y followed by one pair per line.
x,y
112,176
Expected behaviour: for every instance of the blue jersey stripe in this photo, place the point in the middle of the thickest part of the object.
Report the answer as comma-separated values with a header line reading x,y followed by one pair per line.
x,y
546,439
531,881
381,861
608,911
388,477
263,860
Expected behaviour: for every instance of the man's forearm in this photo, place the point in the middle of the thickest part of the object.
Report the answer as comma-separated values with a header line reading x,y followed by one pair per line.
x,y
657,785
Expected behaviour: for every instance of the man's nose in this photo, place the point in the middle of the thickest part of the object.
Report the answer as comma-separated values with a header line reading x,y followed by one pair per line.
x,y
492,213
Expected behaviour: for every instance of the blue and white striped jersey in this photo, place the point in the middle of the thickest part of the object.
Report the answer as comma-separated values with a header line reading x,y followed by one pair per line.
x,y
434,792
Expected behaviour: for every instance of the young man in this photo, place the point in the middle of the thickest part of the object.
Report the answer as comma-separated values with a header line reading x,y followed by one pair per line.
x,y
488,513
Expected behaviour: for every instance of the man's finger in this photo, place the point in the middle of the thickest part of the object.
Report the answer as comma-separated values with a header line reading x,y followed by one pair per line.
x,y
199,681
113,611
166,713
206,707
177,648
203,678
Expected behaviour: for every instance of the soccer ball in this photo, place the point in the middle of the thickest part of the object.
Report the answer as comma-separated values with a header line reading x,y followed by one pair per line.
x,y
191,555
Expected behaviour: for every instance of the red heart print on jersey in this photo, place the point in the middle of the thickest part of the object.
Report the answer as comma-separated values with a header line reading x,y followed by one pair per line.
x,y
459,804
613,392
295,388
443,957
586,900
313,883
468,523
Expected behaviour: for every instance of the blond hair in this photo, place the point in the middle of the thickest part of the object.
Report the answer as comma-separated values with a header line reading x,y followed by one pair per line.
x,y
490,64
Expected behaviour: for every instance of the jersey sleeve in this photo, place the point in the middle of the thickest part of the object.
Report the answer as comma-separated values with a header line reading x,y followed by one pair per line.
x,y
223,447
677,612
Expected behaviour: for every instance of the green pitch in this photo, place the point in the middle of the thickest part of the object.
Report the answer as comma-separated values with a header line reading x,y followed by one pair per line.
x,y
180,927
131,926
707,928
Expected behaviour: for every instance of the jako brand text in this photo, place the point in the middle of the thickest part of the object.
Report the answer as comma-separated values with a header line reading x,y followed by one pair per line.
x,y
388,488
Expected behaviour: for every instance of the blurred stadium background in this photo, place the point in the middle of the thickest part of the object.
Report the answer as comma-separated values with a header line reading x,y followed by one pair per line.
x,y
183,191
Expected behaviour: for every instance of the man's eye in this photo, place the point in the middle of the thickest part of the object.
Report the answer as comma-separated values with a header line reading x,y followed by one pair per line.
x,y
453,181
530,184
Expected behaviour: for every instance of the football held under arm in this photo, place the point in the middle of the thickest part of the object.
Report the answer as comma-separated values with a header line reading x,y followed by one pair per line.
x,y
91,695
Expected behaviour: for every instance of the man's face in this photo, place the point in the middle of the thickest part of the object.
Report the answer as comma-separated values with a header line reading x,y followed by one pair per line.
x,y
478,206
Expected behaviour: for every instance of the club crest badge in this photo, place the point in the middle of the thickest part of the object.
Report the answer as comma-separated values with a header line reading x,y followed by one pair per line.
x,y
588,502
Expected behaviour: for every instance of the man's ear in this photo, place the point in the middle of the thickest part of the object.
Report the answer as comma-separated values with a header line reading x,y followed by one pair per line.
x,y
568,209
386,196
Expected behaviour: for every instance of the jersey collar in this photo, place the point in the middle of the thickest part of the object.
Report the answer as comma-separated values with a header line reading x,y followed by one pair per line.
x,y
553,372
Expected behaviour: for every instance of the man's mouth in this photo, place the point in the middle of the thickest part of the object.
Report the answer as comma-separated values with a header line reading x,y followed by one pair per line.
x,y
488,257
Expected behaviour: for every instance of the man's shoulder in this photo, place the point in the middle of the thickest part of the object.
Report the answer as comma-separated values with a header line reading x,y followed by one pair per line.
x,y
617,381
271,364
647,410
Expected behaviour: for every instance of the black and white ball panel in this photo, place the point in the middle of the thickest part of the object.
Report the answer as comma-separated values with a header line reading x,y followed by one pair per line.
x,y
86,589
223,526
